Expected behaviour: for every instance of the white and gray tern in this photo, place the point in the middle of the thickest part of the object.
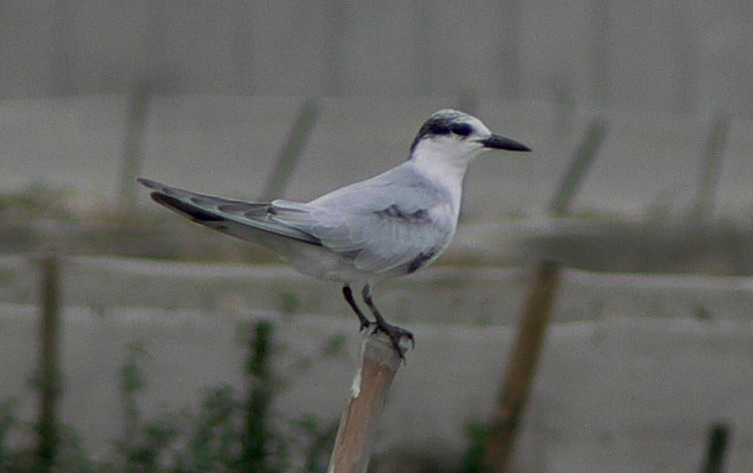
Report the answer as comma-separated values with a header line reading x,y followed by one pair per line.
x,y
390,225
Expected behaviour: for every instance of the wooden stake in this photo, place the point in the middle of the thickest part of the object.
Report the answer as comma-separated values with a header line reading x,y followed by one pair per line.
x,y
292,150
521,368
571,181
257,409
713,154
718,439
130,168
49,377
379,364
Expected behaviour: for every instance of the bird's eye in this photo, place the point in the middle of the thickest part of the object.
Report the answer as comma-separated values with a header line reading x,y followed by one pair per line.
x,y
462,129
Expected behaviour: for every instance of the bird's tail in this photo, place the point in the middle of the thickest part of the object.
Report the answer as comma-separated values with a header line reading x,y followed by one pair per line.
x,y
246,220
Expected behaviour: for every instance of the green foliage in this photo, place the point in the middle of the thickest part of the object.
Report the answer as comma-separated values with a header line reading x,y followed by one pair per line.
x,y
473,458
229,432
7,423
39,199
319,442
335,346
289,303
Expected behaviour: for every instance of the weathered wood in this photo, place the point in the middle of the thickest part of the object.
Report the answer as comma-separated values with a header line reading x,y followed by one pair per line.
x,y
133,146
521,368
571,181
718,439
291,151
49,376
378,365
711,167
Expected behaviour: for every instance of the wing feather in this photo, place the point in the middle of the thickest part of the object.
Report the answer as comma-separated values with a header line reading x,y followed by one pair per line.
x,y
395,219
383,223
245,220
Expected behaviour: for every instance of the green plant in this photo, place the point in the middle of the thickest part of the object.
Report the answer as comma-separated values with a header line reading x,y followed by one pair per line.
x,y
38,199
473,458
8,422
229,432
132,382
318,440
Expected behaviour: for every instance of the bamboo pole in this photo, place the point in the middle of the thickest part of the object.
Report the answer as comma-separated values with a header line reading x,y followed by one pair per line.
x,y
521,368
713,155
133,147
292,150
571,181
259,402
718,439
379,362
49,377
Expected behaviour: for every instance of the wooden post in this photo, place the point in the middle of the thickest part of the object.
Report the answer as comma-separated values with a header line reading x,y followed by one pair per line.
x,y
377,368
257,409
49,378
291,151
718,439
716,141
521,368
560,204
133,147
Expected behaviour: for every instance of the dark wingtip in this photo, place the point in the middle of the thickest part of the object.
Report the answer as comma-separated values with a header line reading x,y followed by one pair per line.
x,y
184,208
147,182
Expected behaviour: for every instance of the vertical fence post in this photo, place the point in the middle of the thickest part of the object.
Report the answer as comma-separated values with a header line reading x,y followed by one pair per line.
x,y
560,204
49,375
133,148
521,368
718,438
711,168
132,382
258,372
378,365
292,150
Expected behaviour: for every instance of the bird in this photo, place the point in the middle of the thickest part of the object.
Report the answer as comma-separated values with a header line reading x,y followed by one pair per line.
x,y
390,225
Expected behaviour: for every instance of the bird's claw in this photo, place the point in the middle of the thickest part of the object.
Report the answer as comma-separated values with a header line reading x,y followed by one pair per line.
x,y
395,334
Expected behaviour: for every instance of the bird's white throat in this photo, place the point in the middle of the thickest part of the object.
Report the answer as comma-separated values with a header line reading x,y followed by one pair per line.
x,y
444,162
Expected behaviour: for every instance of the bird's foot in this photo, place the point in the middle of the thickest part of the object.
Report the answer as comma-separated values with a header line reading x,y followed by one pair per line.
x,y
396,334
365,324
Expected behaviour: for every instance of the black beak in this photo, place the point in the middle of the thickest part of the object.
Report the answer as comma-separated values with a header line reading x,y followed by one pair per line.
x,y
500,142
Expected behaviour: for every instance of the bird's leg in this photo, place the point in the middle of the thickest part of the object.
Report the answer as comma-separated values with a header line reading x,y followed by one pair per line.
x,y
348,293
393,331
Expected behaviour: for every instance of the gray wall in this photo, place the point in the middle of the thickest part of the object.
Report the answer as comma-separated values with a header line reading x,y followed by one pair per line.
x,y
630,379
669,56
226,145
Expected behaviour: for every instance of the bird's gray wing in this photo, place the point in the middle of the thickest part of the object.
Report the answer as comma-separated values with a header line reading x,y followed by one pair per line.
x,y
380,224
246,220
385,222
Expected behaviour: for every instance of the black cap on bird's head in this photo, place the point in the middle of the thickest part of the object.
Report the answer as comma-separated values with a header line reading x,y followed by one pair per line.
x,y
461,126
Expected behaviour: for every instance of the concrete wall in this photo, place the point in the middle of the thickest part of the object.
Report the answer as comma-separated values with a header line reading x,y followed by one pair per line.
x,y
663,56
649,163
634,371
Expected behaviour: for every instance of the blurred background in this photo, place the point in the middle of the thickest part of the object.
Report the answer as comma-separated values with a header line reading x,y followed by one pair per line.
x,y
640,116
668,57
